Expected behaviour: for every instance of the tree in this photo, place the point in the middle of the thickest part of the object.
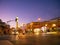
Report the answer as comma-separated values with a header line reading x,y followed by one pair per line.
x,y
4,27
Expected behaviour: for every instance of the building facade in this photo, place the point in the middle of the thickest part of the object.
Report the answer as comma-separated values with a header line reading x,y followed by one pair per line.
x,y
53,23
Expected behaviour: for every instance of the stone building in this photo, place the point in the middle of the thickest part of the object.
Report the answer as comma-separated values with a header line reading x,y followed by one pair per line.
x,y
52,23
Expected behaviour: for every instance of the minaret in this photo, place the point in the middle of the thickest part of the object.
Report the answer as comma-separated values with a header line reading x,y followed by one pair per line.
x,y
16,23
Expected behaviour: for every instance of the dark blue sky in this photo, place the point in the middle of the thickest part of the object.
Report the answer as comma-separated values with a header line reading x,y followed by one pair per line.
x,y
29,10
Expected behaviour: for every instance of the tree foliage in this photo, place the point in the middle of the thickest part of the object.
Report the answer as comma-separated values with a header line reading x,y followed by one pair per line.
x,y
4,27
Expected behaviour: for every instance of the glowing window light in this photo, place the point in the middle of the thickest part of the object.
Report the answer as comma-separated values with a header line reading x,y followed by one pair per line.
x,y
53,25
36,30
45,24
43,28
37,33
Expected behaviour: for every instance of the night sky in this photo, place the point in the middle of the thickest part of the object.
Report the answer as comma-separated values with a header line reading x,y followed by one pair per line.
x,y
29,10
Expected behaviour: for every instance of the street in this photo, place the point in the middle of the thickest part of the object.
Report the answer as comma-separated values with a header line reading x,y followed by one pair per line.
x,y
32,39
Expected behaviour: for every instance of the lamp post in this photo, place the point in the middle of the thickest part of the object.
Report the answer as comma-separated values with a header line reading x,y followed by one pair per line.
x,y
31,26
16,22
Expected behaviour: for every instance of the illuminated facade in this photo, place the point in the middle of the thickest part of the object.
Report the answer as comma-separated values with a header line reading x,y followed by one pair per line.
x,y
50,24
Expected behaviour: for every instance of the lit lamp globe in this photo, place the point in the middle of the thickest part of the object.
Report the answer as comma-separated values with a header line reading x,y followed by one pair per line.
x,y
16,19
39,19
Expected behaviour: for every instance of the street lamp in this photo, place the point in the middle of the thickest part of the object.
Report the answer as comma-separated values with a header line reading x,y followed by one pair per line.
x,y
16,22
39,19
31,25
16,19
